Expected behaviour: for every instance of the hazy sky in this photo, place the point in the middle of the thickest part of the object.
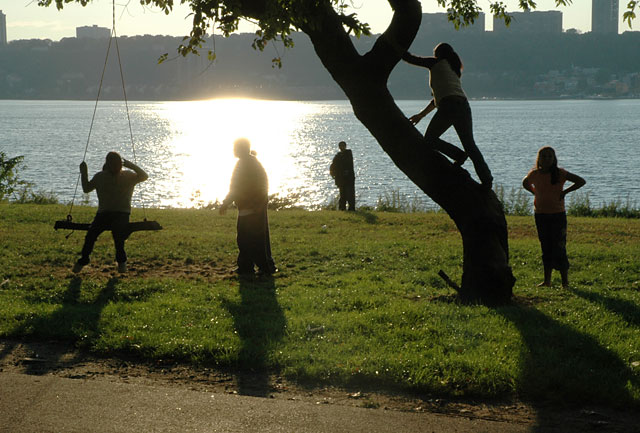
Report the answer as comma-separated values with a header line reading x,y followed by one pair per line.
x,y
25,20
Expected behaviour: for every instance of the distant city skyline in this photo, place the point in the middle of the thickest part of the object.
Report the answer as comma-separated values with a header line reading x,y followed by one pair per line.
x,y
3,28
603,19
25,20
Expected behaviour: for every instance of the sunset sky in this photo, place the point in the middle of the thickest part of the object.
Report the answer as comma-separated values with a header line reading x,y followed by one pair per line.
x,y
26,20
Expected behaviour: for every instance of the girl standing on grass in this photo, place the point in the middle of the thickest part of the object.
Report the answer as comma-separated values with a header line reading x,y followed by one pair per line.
x,y
545,181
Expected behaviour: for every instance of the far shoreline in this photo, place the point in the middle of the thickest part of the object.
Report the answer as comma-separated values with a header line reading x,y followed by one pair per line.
x,y
477,99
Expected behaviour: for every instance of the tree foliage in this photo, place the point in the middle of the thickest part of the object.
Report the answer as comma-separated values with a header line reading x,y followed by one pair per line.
x,y
9,169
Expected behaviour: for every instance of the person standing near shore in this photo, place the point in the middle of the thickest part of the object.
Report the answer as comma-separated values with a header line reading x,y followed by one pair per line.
x,y
445,70
114,187
546,181
249,190
342,172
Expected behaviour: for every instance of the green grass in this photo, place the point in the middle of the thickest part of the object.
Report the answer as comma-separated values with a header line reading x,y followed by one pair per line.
x,y
357,302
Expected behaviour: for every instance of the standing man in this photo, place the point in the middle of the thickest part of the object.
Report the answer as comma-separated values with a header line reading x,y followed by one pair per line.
x,y
249,190
342,172
114,187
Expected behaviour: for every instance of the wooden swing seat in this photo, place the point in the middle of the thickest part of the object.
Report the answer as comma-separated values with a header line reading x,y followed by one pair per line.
x,y
133,226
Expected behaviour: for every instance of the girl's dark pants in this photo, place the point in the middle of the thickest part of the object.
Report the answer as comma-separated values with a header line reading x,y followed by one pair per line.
x,y
118,223
552,232
254,244
455,111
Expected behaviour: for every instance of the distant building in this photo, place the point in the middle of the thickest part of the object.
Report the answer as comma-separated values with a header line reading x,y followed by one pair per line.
x,y
438,24
548,22
3,29
604,16
93,32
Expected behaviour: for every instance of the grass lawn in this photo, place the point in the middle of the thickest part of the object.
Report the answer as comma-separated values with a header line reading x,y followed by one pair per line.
x,y
357,301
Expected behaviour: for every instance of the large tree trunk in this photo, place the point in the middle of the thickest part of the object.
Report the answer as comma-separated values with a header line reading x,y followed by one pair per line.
x,y
476,211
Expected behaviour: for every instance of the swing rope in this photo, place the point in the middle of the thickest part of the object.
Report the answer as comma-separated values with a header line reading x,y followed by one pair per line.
x,y
126,104
112,36
93,117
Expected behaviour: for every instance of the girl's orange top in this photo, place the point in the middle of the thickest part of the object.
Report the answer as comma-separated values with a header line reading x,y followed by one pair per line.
x,y
548,198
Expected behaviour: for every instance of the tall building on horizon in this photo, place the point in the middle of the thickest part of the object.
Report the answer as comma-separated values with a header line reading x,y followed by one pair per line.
x,y
92,32
3,28
438,23
604,16
530,22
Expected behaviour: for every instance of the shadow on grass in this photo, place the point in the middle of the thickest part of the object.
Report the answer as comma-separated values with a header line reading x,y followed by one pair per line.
x,y
260,324
563,368
76,320
629,311
368,216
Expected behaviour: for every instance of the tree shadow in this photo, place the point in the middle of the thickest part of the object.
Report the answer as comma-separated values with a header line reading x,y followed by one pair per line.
x,y
563,368
260,324
629,311
368,216
76,320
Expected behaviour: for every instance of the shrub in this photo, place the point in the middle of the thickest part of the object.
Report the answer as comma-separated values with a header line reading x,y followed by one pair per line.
x,y
9,169
394,201
516,202
28,195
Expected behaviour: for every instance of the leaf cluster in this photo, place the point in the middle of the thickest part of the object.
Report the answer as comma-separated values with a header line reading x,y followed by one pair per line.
x,y
9,169
630,14
464,12
276,20
60,3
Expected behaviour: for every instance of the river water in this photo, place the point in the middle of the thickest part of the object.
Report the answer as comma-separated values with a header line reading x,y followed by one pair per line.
x,y
186,147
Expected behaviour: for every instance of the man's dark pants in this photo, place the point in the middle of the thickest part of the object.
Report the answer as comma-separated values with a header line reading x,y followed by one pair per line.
x,y
254,244
347,195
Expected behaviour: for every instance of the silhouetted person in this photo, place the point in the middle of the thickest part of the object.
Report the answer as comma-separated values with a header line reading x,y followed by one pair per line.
x,y
341,170
249,190
545,181
445,70
114,187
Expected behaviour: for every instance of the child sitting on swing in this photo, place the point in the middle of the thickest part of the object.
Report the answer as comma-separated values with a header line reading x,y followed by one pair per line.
x,y
114,187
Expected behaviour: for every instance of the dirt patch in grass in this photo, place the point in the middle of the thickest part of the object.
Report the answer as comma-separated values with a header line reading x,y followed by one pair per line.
x,y
167,269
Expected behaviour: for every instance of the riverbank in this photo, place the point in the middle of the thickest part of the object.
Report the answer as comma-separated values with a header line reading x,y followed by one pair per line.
x,y
357,303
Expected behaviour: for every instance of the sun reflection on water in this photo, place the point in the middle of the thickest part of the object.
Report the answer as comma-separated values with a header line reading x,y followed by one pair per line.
x,y
201,143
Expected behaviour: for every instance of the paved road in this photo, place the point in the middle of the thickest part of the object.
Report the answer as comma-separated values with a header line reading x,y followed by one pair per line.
x,y
48,403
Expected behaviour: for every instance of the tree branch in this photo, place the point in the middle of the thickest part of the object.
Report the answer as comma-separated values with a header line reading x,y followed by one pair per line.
x,y
331,42
397,39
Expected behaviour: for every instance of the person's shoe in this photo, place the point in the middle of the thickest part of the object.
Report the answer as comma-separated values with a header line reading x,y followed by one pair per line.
x,y
122,267
77,267
267,272
243,272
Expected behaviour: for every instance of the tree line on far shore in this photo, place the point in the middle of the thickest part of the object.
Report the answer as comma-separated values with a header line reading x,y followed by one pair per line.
x,y
496,66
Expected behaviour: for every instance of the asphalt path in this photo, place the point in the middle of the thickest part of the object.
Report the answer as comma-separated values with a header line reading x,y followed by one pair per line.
x,y
49,403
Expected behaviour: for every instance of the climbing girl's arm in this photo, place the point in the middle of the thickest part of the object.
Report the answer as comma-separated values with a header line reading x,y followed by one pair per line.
x,y
428,109
425,62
